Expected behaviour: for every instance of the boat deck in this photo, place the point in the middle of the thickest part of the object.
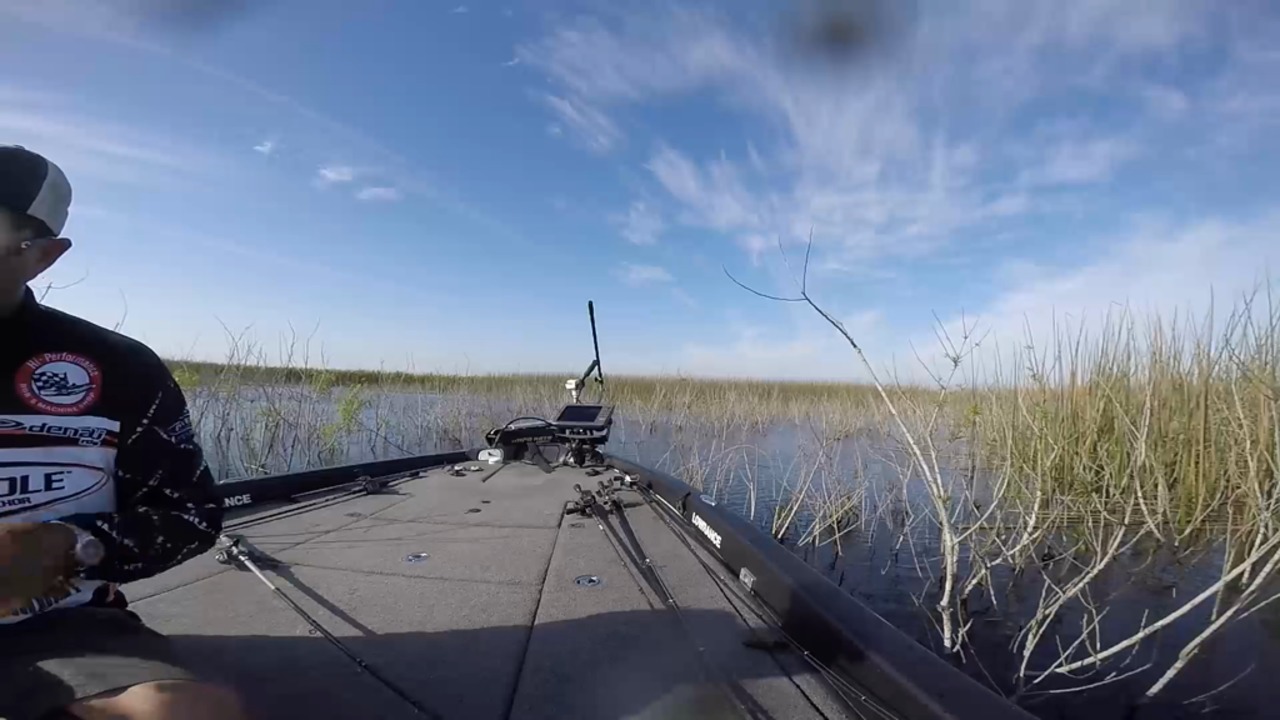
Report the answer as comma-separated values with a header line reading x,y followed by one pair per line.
x,y
490,624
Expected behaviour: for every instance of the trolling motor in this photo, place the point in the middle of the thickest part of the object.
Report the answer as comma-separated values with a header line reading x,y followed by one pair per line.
x,y
575,385
579,430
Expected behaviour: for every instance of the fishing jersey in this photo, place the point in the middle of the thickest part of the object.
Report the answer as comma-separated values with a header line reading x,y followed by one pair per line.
x,y
95,432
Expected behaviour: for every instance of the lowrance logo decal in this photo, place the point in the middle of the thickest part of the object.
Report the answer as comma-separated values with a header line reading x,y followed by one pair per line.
x,y
706,529
237,501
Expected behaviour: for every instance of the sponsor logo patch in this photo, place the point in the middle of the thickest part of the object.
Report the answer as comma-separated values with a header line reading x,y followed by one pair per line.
x,y
182,431
59,383
86,435
28,487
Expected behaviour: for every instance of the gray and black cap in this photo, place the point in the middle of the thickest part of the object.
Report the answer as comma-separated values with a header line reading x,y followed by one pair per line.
x,y
33,186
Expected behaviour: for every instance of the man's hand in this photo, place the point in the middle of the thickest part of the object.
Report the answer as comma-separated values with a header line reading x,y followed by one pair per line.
x,y
36,559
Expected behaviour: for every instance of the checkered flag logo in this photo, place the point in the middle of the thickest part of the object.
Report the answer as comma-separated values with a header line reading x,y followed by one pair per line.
x,y
57,384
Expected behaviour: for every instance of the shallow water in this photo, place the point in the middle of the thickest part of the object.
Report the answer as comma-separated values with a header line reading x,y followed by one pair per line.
x,y
877,561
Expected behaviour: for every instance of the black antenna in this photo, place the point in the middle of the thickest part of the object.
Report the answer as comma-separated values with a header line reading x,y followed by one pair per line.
x,y
594,367
595,342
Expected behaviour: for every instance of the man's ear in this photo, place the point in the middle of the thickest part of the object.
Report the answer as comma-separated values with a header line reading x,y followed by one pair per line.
x,y
46,252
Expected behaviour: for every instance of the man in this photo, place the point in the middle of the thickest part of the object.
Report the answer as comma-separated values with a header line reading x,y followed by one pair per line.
x,y
101,482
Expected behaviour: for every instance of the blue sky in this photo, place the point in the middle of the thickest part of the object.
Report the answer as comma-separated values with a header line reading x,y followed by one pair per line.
x,y
443,185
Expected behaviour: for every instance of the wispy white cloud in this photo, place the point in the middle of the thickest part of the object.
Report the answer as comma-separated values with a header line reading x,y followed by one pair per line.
x,y
85,145
1081,162
512,62
266,147
811,350
1243,106
1114,24
937,143
28,97
755,354
379,194
855,160
1165,101
714,196
125,24
755,246
1153,269
459,10
637,275
82,17
595,130
865,158
334,175
642,224
684,298
1009,204
646,55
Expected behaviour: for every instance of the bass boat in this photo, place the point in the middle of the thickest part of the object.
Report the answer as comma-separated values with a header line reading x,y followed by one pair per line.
x,y
534,576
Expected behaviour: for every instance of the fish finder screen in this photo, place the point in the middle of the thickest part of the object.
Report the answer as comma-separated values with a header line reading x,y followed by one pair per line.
x,y
584,414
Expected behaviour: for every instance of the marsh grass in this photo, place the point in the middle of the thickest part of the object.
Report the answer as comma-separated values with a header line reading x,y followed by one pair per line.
x,y
1178,416
1067,469
750,403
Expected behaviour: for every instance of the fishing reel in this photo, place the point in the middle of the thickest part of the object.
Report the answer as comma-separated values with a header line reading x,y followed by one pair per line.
x,y
236,551
605,497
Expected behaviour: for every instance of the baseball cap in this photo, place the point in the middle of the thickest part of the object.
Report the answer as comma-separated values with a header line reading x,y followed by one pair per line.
x,y
32,185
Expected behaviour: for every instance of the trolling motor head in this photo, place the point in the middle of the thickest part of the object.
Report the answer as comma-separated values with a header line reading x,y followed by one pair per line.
x,y
574,386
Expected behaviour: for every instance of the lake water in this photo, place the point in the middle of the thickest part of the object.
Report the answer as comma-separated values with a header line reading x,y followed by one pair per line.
x,y
881,560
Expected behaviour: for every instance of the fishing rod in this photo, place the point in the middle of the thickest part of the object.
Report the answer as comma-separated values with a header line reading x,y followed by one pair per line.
x,y
236,549
365,485
852,695
589,504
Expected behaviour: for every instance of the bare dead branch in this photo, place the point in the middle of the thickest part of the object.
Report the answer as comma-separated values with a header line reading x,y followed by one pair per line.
x,y
753,291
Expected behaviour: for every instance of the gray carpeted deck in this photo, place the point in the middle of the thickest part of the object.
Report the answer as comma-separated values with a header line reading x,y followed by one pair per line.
x,y
490,625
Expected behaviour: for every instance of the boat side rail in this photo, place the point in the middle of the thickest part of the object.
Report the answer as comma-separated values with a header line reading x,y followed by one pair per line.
x,y
251,492
834,627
